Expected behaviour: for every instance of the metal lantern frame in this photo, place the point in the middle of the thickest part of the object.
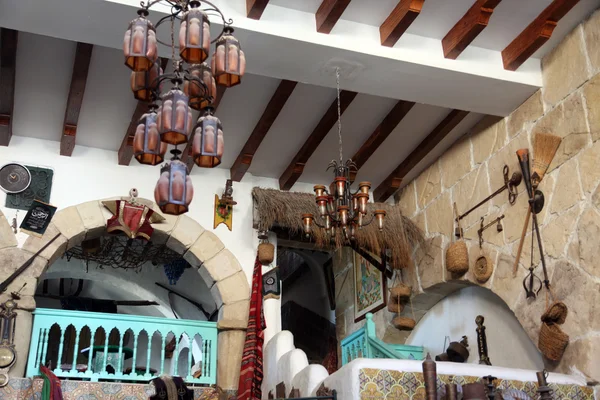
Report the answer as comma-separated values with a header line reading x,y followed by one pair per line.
x,y
202,154
149,156
228,77
180,206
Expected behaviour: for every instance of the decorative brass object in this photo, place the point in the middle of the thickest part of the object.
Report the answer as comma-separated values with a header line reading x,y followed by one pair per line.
x,y
430,375
8,319
482,228
224,206
543,388
482,341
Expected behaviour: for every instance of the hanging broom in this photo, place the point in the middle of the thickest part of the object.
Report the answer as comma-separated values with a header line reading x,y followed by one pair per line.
x,y
544,149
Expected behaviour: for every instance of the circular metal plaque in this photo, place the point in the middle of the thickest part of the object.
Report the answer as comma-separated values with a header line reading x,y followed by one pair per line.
x,y
3,379
14,178
7,357
270,280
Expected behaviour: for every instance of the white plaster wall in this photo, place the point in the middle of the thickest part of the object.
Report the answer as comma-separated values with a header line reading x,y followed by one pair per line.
x,y
454,316
92,174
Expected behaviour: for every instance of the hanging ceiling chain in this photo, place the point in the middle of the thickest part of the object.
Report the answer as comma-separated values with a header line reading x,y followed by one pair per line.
x,y
339,110
173,44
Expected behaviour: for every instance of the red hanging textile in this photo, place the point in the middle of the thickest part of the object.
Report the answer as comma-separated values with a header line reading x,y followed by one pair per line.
x,y
251,371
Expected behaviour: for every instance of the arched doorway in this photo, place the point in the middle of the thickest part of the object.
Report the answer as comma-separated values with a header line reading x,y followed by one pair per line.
x,y
202,249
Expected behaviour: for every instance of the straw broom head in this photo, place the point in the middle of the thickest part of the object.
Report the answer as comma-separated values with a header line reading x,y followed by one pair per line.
x,y
544,149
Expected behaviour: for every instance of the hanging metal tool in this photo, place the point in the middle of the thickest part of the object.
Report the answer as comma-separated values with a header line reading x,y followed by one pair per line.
x,y
509,184
482,228
532,283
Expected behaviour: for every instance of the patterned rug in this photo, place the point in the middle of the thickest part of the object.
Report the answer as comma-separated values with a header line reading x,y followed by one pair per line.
x,y
23,389
395,385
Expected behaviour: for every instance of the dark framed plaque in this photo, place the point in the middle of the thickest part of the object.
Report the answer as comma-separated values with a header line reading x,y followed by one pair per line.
x,y
272,284
39,188
38,218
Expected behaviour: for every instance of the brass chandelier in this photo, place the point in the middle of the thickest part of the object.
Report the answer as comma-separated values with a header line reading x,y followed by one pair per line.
x,y
194,87
339,209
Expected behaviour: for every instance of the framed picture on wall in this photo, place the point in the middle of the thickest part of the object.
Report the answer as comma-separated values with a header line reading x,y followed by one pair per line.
x,y
369,288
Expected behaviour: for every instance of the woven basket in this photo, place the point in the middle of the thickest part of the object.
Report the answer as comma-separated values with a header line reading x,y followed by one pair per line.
x,y
394,307
401,291
483,269
556,313
457,258
553,341
266,253
403,323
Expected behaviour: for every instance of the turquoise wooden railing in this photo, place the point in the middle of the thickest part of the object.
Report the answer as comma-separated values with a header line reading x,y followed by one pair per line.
x,y
364,343
50,324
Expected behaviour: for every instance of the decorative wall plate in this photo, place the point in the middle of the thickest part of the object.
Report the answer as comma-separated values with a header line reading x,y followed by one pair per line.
x,y
14,178
39,189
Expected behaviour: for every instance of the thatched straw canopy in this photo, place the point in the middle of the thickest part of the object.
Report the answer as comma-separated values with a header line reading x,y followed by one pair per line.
x,y
284,209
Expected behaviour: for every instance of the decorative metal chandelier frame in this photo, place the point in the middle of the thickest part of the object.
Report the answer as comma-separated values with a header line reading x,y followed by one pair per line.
x,y
339,208
194,87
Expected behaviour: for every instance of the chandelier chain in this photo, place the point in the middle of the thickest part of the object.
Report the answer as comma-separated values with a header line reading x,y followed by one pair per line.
x,y
339,110
173,44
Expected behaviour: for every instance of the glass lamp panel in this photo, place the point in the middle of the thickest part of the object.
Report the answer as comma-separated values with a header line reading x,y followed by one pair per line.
x,y
229,61
207,147
139,45
200,93
194,35
143,83
175,118
174,190
147,147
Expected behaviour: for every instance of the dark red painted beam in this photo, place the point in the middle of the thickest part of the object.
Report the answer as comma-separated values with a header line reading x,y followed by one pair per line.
x,y
399,20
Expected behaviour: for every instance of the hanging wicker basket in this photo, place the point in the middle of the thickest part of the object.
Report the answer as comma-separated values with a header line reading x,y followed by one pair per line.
x,y
483,269
404,324
457,255
553,341
393,307
266,253
401,291
556,313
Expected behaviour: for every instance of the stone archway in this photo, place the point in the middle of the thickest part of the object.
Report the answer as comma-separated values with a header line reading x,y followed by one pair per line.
x,y
217,266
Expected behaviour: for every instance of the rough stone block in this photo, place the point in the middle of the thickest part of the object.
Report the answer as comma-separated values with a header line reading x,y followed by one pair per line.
x,y
439,216
567,120
7,236
430,264
588,167
591,33
564,69
557,233
235,314
582,355
428,185
528,313
456,162
504,284
487,137
204,248
530,111
591,91
232,289
568,191
344,287
185,234
93,218
231,346
12,258
469,191
69,223
588,232
54,251
162,230
25,285
406,199
221,266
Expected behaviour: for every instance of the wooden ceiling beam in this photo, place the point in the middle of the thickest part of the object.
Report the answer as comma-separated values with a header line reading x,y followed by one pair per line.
x,y
255,8
186,156
126,149
329,13
383,130
393,181
278,100
468,28
293,171
8,69
405,12
81,66
536,34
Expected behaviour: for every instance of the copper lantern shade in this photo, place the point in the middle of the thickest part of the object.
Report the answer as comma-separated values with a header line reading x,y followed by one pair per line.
x,y
207,147
147,147
229,61
139,44
174,190
175,118
144,83
201,96
194,35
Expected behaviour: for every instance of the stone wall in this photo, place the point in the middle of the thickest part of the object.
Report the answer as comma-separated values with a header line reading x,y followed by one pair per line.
x,y
568,105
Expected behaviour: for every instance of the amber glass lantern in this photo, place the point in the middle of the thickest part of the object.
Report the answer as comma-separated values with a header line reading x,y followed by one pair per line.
x,y
139,45
229,61
174,118
174,190
144,83
201,96
194,35
147,147
207,147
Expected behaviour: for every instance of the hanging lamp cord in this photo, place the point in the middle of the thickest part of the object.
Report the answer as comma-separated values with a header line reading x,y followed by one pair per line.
x,y
339,110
